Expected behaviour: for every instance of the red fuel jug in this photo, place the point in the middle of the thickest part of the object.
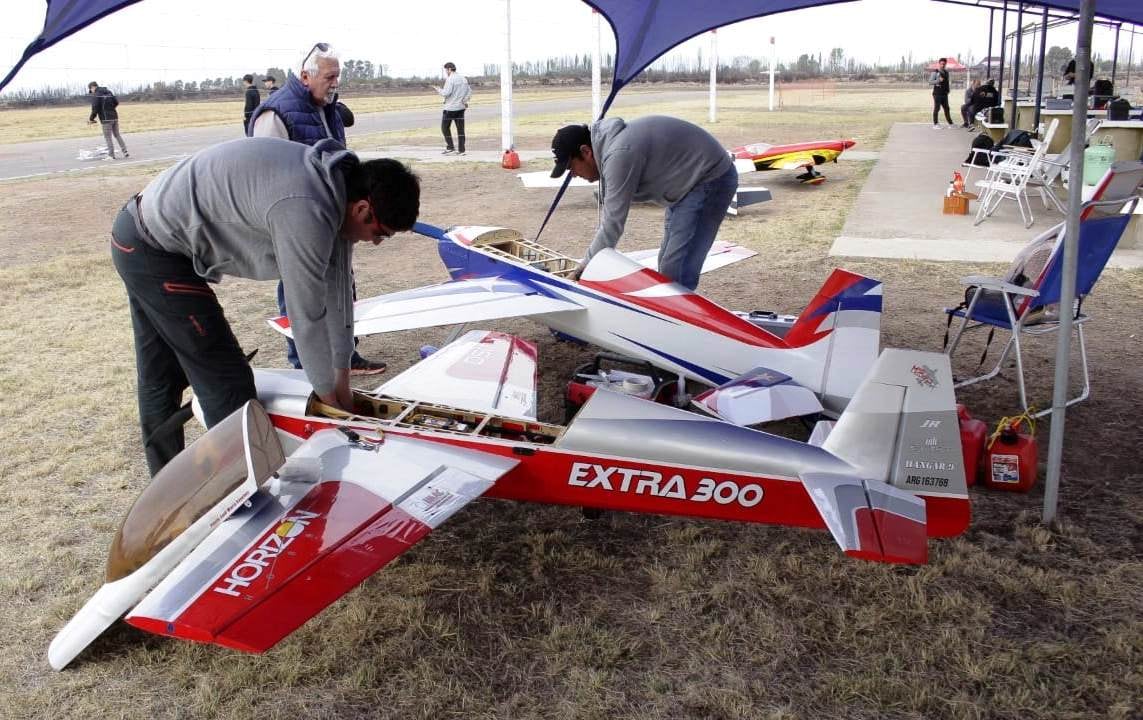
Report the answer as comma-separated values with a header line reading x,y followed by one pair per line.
x,y
973,433
1010,463
511,160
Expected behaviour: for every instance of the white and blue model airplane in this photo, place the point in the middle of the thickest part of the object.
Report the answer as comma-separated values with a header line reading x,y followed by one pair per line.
x,y
621,304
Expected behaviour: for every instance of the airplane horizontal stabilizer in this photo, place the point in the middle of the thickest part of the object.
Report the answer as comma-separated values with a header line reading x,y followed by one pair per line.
x,y
482,370
757,396
264,573
869,519
901,428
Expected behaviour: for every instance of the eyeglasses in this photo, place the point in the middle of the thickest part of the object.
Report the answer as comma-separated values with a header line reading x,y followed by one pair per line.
x,y
320,47
382,230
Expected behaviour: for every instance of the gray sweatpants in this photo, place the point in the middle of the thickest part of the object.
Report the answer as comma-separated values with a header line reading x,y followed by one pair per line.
x,y
111,128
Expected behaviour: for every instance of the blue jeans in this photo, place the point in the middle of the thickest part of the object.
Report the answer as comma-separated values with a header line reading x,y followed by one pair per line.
x,y
691,225
292,349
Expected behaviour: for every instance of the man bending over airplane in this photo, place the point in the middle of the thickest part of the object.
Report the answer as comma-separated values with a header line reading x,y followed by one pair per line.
x,y
262,209
657,159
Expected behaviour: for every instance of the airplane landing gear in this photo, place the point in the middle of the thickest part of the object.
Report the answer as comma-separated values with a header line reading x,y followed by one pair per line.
x,y
811,176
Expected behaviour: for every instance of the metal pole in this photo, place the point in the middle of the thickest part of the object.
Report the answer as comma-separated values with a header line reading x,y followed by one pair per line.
x,y
596,71
713,75
1130,55
988,58
1040,84
1003,47
1071,251
1016,60
1115,54
773,61
506,81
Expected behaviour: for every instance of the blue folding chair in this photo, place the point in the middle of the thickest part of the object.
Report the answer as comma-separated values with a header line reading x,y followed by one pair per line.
x,y
1024,310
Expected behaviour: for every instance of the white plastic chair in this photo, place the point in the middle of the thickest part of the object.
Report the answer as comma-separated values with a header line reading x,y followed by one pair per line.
x,y
1008,176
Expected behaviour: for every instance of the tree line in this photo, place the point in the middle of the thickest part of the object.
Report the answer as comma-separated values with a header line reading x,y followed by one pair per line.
x,y
362,76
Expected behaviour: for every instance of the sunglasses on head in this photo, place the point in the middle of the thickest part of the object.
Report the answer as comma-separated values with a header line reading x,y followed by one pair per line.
x,y
319,47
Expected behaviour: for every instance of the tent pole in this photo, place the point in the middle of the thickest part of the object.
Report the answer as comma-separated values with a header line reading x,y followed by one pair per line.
x,y
1040,68
713,76
1115,54
596,70
1071,252
1003,47
1016,60
988,58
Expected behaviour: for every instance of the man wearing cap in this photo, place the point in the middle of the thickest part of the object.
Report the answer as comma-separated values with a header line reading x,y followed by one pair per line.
x,y
261,209
657,159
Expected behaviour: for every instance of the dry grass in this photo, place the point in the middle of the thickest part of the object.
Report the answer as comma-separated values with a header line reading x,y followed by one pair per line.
x,y
521,611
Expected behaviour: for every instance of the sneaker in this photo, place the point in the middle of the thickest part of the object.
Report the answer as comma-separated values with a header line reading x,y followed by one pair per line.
x,y
448,151
936,127
362,366
461,152
126,154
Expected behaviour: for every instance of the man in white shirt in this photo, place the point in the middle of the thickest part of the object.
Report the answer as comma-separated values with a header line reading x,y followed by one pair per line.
x,y
456,93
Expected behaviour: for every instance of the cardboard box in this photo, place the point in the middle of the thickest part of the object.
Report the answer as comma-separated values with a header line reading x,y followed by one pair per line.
x,y
956,204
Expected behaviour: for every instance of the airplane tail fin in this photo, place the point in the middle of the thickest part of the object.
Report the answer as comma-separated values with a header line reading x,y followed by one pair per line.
x,y
901,428
841,327
900,435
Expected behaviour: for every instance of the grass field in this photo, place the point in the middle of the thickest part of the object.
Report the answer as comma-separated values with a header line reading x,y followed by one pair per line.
x,y
520,611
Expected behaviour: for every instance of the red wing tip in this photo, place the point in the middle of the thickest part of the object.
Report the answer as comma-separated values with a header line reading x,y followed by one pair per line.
x,y
281,321
919,559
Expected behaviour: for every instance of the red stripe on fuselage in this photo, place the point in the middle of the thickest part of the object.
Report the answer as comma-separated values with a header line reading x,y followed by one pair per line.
x,y
688,307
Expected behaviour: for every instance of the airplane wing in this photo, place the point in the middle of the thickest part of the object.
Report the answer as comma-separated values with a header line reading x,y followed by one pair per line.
x,y
544,179
721,254
482,370
450,303
301,543
870,519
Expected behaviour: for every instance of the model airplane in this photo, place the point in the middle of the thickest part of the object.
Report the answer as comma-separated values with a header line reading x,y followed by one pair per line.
x,y
622,305
763,156
288,504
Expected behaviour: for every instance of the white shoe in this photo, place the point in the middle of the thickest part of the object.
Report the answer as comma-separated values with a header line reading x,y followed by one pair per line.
x,y
936,127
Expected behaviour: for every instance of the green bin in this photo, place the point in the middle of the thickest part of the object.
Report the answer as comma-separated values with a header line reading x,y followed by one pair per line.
x,y
1097,160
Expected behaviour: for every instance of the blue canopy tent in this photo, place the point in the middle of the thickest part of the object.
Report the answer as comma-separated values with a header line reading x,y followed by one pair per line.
x,y
645,30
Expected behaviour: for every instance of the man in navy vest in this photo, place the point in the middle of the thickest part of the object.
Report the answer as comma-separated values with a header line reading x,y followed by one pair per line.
x,y
304,110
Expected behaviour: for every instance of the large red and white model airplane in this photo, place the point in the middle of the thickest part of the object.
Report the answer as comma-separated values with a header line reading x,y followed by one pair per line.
x,y
288,504
623,305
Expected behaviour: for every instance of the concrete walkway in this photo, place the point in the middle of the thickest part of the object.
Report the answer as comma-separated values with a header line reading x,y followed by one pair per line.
x,y
898,213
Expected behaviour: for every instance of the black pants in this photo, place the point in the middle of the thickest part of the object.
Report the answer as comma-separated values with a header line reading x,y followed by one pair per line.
x,y
447,117
941,101
181,338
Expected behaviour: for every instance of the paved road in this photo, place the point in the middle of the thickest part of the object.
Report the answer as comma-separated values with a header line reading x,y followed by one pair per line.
x,y
48,157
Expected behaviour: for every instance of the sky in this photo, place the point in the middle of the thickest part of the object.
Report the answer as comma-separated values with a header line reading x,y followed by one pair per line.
x,y
167,40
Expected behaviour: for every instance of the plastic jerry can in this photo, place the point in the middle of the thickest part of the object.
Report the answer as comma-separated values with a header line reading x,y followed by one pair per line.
x,y
1010,462
1097,160
511,160
972,436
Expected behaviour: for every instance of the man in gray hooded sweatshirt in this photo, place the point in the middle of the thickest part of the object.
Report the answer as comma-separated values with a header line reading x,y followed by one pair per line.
x,y
656,159
262,209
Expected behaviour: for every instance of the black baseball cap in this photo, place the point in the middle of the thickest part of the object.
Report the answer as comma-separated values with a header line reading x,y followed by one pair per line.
x,y
566,144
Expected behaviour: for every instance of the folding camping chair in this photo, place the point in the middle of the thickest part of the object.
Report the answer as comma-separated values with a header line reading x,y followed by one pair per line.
x,y
1055,167
1008,176
1026,310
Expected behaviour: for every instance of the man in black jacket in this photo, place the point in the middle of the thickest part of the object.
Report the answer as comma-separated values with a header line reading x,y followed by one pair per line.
x,y
103,106
253,100
940,82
